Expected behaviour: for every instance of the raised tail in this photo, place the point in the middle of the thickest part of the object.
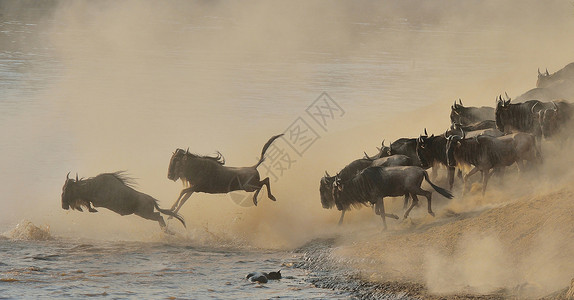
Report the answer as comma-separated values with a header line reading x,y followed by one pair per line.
x,y
169,213
437,188
269,142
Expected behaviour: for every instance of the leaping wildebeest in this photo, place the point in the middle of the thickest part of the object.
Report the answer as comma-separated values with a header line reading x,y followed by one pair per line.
x,y
113,191
374,183
205,174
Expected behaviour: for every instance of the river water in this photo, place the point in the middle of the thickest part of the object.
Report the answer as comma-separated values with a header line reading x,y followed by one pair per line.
x,y
99,87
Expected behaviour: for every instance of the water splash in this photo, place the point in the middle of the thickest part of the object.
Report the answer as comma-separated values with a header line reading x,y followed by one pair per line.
x,y
27,231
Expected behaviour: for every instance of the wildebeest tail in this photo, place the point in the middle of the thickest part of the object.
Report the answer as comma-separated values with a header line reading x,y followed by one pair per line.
x,y
269,142
169,213
437,188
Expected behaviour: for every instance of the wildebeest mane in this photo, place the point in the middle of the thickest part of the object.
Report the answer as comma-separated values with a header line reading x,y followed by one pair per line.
x,y
218,158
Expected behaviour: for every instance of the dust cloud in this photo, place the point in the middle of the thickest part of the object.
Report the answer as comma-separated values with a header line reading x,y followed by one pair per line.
x,y
142,78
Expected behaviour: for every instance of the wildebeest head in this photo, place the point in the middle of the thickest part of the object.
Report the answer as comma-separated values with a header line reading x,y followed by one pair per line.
x,y
452,142
549,121
543,79
456,112
423,150
70,194
176,164
326,191
501,112
384,151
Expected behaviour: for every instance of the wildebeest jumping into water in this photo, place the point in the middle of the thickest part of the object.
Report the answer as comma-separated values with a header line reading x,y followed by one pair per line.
x,y
375,183
206,174
114,192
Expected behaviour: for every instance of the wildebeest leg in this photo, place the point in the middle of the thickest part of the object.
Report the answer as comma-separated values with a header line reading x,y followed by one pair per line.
x,y
341,218
261,184
465,180
415,201
90,208
406,203
380,208
183,192
182,201
434,171
154,216
485,177
450,177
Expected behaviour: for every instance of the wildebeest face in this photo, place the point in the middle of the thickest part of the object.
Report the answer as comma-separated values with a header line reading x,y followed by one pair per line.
x,y
423,150
70,197
326,191
548,122
175,165
451,143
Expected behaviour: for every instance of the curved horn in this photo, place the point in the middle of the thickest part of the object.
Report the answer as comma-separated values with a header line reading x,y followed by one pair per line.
x,y
68,175
426,134
76,176
539,74
506,95
460,101
463,134
327,174
547,74
555,106
366,155
533,106
383,144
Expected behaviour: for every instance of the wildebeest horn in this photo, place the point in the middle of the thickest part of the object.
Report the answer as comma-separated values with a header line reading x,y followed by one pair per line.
x,y
76,176
555,106
366,155
539,74
460,101
463,134
533,106
426,134
68,175
327,174
547,72
187,151
506,96
383,143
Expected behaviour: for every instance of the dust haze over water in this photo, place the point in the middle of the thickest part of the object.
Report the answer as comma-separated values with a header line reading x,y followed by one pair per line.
x,y
125,84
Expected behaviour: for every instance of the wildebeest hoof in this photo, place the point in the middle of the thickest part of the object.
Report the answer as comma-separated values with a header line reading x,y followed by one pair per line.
x,y
92,210
431,213
394,216
273,198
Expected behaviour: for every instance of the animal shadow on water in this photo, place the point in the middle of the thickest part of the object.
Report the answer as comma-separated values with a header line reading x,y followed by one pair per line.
x,y
208,174
113,191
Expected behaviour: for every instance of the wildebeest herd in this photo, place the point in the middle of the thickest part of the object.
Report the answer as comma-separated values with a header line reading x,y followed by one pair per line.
x,y
479,139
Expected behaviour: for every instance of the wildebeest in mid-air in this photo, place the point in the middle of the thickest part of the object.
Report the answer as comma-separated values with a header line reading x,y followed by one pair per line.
x,y
205,174
349,171
113,191
374,183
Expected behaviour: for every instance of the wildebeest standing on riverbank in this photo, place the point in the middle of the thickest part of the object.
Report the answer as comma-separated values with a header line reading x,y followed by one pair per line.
x,y
112,191
208,175
375,183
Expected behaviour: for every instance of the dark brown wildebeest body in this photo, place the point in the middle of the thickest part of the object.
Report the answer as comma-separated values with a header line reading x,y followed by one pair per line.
x,y
374,183
112,191
519,117
556,120
486,153
432,152
469,115
351,170
206,174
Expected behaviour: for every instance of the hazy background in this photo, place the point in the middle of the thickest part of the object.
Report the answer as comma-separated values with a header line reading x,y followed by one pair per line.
x,y
92,87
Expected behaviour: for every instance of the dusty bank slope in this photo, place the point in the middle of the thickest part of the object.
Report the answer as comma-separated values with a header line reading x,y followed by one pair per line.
x,y
507,244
